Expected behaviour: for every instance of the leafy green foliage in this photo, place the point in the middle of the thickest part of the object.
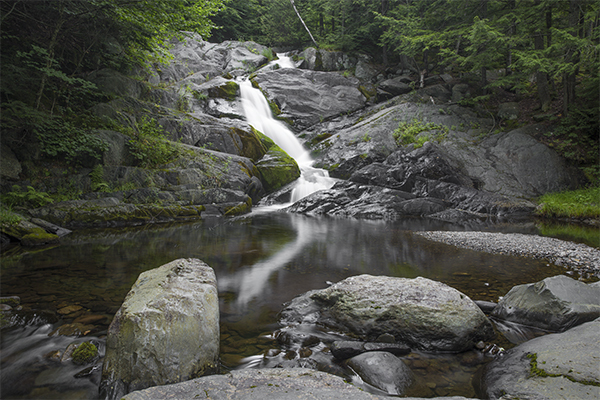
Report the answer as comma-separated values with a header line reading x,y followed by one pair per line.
x,y
149,146
408,133
29,198
8,217
582,203
97,179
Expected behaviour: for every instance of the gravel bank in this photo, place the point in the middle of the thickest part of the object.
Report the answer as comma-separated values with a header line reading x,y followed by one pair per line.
x,y
579,257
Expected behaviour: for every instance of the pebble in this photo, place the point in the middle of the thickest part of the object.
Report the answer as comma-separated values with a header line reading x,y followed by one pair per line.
x,y
582,258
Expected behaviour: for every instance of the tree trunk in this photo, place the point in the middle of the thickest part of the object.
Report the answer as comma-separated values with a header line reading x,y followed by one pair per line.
x,y
541,77
50,57
569,77
305,27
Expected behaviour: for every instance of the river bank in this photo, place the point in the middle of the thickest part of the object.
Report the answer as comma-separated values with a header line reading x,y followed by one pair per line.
x,y
579,258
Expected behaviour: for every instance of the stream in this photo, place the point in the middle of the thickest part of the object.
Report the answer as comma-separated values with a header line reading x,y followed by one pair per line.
x,y
261,261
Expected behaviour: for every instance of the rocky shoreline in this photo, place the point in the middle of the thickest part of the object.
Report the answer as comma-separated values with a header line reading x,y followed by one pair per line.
x,y
580,258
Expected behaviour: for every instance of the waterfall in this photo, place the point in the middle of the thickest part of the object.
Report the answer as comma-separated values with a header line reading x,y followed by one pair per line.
x,y
258,114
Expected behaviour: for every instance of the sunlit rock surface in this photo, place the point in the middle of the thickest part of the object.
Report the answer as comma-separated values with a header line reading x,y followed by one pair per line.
x,y
555,304
556,366
166,331
420,312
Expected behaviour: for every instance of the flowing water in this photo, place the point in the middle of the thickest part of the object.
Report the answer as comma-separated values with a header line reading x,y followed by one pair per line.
x,y
261,261
258,114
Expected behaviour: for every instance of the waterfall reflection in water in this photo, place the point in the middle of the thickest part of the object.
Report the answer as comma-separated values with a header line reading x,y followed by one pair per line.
x,y
261,261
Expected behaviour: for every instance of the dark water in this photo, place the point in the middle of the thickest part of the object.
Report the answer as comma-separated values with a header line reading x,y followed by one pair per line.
x,y
261,261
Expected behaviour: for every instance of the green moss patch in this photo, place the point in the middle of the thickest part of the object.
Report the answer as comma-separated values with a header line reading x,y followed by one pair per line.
x,y
85,353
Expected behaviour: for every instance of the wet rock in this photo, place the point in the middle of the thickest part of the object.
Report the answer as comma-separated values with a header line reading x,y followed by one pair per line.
x,y
307,97
556,304
422,313
383,370
74,329
277,169
178,302
555,366
29,234
348,349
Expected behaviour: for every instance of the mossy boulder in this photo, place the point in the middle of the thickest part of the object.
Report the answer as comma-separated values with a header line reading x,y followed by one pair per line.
x,y
277,169
228,90
249,143
85,353
166,331
29,234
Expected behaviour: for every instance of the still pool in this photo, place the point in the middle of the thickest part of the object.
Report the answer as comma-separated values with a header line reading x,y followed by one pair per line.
x,y
261,261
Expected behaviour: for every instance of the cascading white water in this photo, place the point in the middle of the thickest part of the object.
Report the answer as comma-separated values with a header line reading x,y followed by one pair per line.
x,y
258,114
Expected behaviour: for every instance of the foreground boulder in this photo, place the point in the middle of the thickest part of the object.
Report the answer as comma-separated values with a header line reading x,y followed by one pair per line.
x,y
166,331
555,304
278,383
556,366
422,313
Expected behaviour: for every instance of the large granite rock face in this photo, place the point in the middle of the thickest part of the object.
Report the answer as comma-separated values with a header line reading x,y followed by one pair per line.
x,y
422,313
197,59
166,331
307,97
562,366
555,304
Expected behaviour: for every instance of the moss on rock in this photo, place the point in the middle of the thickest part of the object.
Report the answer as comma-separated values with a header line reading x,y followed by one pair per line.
x,y
277,169
228,91
85,353
252,146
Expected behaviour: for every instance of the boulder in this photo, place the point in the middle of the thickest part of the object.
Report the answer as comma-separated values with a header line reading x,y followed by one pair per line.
x,y
29,234
383,370
344,349
277,169
514,164
10,167
306,97
166,331
268,384
422,313
557,303
395,86
197,60
557,366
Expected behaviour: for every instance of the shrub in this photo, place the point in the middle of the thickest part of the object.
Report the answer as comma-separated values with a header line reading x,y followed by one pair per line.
x,y
407,132
149,146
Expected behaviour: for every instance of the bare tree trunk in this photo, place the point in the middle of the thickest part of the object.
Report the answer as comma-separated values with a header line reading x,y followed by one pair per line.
x,y
569,78
541,77
50,56
305,27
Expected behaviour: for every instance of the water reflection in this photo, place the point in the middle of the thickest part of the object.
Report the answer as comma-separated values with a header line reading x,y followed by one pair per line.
x,y
252,281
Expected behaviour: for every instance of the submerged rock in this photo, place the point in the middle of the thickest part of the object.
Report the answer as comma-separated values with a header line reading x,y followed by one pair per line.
x,y
555,304
422,313
166,331
556,366
383,370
